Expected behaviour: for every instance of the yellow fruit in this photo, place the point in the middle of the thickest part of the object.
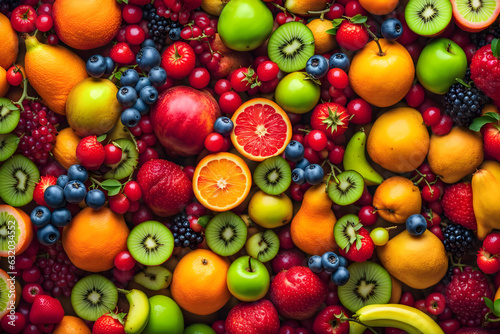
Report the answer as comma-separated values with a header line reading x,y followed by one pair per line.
x,y
64,150
396,291
493,167
417,261
71,324
323,41
302,7
4,85
10,43
485,199
213,7
270,211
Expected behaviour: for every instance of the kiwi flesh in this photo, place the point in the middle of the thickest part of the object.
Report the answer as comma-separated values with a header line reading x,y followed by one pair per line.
x,y
18,176
347,188
428,17
226,233
476,11
93,296
8,145
4,294
127,164
150,243
9,116
154,278
345,231
263,245
273,175
290,46
368,284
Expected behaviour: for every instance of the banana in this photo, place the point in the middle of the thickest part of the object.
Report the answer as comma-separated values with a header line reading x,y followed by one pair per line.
x,y
355,159
138,314
485,199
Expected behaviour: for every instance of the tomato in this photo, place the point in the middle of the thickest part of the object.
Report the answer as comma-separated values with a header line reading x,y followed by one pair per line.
x,y
242,79
14,76
178,60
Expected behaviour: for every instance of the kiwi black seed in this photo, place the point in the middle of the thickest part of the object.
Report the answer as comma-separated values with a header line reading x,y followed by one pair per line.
x,y
226,233
127,164
18,176
92,296
263,245
150,243
273,175
9,116
8,145
345,231
428,17
347,188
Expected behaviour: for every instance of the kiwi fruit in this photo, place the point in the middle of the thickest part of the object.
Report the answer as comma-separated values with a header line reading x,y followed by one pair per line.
x,y
368,284
8,145
226,233
474,16
150,243
9,116
4,293
18,176
93,296
154,278
428,17
263,245
273,175
345,231
347,188
127,164
290,46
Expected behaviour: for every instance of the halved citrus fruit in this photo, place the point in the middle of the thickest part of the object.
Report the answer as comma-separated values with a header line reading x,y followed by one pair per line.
x,y
221,181
261,129
7,293
474,16
16,231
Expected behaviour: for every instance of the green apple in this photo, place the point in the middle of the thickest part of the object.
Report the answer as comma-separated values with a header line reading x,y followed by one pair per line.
x,y
248,279
245,25
92,108
296,93
165,316
199,329
270,211
439,64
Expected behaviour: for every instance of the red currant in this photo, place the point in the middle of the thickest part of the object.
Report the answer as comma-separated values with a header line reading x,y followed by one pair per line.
x,y
135,34
141,146
431,116
124,261
229,102
132,14
267,70
44,22
337,78
317,140
119,203
214,142
132,190
199,78
148,138
113,154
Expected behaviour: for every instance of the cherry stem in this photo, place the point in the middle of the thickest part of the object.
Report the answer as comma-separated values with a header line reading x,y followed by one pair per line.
x,y
25,91
391,227
282,8
375,38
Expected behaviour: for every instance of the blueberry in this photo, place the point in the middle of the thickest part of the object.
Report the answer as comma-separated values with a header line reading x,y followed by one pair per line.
x,y
294,151
60,217
77,172
40,216
298,176
341,276
342,261
129,78
147,58
317,66
223,125
149,94
62,180
143,82
157,76
314,263
54,196
75,192
110,65
141,106
126,96
314,174
48,235
302,163
340,60
96,66
95,199
330,261
416,224
175,34
148,42
391,29
130,117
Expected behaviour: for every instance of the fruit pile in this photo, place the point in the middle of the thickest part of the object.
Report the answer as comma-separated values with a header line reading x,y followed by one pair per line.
x,y
249,166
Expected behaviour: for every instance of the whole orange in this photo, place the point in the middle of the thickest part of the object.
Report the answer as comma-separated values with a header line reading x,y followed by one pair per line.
x,y
4,85
379,7
94,237
382,79
10,43
199,283
323,41
64,150
88,24
71,324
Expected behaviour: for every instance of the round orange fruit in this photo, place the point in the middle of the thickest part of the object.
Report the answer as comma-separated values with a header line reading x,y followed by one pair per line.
x,y
4,85
14,219
10,43
379,7
323,41
71,324
64,150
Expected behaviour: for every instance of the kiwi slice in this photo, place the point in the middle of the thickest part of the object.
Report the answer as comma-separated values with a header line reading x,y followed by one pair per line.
x,y
154,278
128,162
226,233
273,175
8,145
9,116
92,296
346,230
4,293
18,176
347,188
428,17
150,243
263,245
290,46
368,284
476,14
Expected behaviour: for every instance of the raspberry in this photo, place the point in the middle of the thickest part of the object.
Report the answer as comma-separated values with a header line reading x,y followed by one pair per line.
x,y
485,72
457,205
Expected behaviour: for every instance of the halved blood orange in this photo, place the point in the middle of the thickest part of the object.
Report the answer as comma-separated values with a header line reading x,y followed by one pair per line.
x,y
474,16
16,231
261,129
221,181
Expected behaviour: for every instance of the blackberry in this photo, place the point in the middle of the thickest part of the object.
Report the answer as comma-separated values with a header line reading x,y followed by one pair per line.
x,y
485,37
7,6
457,239
184,236
463,104
158,26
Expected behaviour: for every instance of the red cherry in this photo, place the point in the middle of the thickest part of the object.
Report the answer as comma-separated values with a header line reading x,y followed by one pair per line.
x,y
407,299
193,223
148,154
449,326
436,229
360,110
30,291
443,126
336,155
222,86
149,138
199,78
189,170
317,140
368,215
134,34
13,323
431,193
229,102
141,146
132,14
337,78
134,206
124,261
431,116
214,142
52,39
45,8
122,54
353,8
195,209
336,11
119,203
296,192
14,76
113,154
435,303
492,243
132,190
267,70
415,96
44,22
142,215
145,124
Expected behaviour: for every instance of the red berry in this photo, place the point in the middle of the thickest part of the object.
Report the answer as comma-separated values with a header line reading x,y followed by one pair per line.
x,y
336,155
431,116
113,154
134,34
297,192
367,215
229,102
148,154
13,323
492,243
31,274
44,22
337,78
267,70
45,8
133,191
145,124
119,203
336,11
132,14
317,140
14,76
443,126
124,261
407,299
149,139
141,146
193,223
90,152
23,19
214,142
52,39
360,110
122,54
435,303
449,326
143,214
222,86
242,78
457,205
195,209
199,78
353,8
30,291
431,193
415,96
351,36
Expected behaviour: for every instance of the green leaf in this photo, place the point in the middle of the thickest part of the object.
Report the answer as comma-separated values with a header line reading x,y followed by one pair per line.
x,y
496,307
463,83
122,1
336,24
101,138
495,47
118,75
479,122
488,303
358,19
112,186
113,191
203,220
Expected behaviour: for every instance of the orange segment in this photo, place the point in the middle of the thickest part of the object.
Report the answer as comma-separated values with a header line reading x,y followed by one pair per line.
x,y
261,129
221,181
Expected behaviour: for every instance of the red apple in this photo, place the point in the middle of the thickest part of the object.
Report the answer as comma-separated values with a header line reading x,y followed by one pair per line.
x,y
258,317
286,259
327,321
491,138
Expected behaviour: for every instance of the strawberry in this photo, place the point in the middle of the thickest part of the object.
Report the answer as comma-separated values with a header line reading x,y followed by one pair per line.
x,y
258,317
46,310
122,54
90,152
491,140
351,34
485,69
109,323
488,263
45,181
457,205
362,249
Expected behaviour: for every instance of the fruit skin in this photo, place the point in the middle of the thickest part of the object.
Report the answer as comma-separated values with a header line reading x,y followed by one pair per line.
x,y
491,243
295,94
46,310
65,147
270,211
45,181
139,312
90,152
473,26
302,7
379,7
245,284
26,230
323,41
351,36
326,321
458,205
178,60
362,252
166,189
182,118
71,324
486,262
484,196
259,317
491,139
10,43
484,70
330,118
109,323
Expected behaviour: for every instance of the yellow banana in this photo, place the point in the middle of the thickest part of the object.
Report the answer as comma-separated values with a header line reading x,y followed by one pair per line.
x,y
485,199
355,159
138,314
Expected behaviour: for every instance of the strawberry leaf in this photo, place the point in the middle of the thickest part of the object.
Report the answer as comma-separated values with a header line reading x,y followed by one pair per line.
x,y
479,122
101,138
496,307
489,303
358,19
495,47
336,24
112,186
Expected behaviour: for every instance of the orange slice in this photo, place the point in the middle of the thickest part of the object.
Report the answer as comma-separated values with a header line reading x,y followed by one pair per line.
x,y
261,129
16,231
221,181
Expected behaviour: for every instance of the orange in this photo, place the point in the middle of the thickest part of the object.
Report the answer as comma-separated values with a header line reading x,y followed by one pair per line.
x,y
379,7
261,129
396,199
199,283
94,237
323,41
221,181
382,79
497,294
4,85
52,70
88,24
7,290
16,223
10,43
398,140
64,150
302,7
71,324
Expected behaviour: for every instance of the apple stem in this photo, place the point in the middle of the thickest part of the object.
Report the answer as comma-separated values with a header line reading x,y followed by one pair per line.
x,y
375,38
250,264
448,47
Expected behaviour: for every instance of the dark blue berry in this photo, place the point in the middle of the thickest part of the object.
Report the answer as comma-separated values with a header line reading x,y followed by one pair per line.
x,y
40,216
77,172
157,76
330,261
314,174
54,196
130,117
60,217
416,224
341,276
294,151
315,264
75,192
340,60
143,82
149,94
126,96
223,125
110,65
62,180
48,235
95,199
317,66
96,66
147,58
302,163
391,29
298,176
141,106
129,78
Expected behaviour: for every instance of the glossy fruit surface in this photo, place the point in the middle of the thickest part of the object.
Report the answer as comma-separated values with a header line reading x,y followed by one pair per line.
x,y
247,279
296,94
